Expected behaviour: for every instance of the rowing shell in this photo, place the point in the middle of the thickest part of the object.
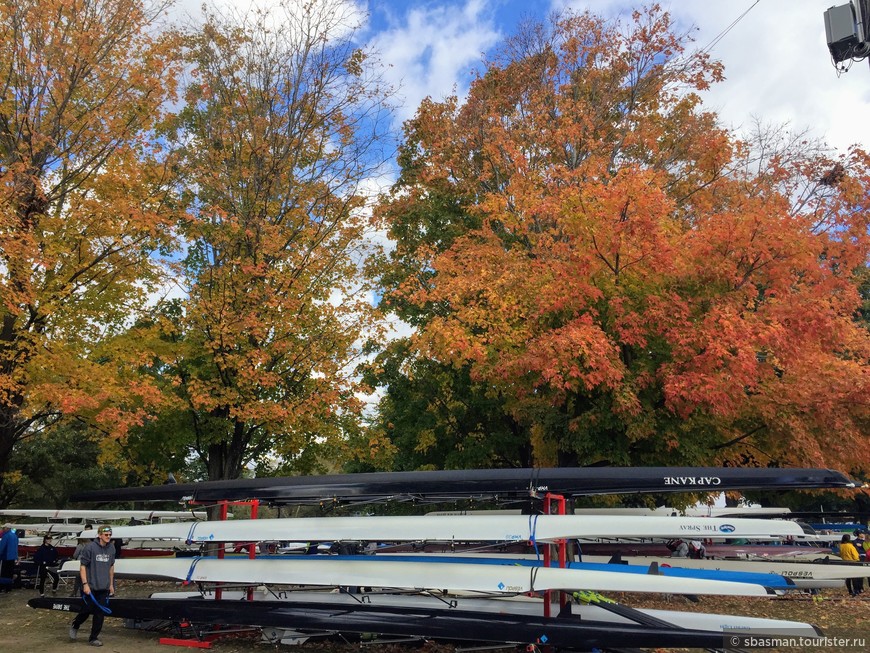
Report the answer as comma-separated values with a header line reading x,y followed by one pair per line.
x,y
568,633
326,571
722,550
596,611
637,567
835,570
500,484
105,515
483,528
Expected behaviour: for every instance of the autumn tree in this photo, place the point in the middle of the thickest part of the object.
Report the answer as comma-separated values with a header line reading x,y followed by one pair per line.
x,y
83,204
283,122
435,416
639,284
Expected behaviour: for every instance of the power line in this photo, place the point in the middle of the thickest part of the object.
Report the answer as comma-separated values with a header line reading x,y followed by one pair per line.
x,y
722,34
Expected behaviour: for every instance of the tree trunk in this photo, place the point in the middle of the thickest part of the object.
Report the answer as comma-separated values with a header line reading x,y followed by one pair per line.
x,y
225,458
11,430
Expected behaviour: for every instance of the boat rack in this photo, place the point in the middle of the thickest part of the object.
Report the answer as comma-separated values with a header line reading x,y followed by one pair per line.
x,y
187,634
191,636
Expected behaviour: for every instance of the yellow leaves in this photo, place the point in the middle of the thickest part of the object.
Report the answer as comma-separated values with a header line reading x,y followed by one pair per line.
x,y
544,450
425,440
83,201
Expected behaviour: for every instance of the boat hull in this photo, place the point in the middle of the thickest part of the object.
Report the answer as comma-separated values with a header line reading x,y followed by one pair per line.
x,y
562,632
500,484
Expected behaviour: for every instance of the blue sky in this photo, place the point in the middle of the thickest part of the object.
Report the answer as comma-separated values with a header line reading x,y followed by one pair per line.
x,y
776,59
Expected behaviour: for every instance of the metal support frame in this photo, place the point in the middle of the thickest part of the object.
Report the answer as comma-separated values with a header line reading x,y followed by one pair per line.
x,y
252,546
556,501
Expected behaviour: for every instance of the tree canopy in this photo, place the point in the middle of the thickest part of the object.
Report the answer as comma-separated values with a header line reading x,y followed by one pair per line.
x,y
282,122
637,283
83,204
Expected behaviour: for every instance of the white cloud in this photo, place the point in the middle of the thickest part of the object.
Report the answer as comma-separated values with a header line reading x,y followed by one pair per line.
x,y
776,58
432,48
344,14
777,65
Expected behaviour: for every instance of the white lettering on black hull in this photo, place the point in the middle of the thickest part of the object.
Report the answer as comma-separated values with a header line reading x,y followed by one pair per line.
x,y
693,480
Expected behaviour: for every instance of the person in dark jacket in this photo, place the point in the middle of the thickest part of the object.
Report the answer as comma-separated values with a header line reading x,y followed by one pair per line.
x,y
46,557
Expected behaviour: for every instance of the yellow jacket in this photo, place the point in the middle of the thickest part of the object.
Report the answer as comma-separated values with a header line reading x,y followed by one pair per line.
x,y
849,552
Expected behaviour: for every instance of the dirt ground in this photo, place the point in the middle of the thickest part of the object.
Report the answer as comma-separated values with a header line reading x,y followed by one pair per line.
x,y
25,630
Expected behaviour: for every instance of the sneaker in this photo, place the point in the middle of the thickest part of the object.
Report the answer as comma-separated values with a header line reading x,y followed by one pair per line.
x,y
73,632
95,642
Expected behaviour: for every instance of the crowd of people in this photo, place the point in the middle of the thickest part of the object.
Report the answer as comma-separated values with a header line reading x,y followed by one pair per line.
x,y
19,571
683,549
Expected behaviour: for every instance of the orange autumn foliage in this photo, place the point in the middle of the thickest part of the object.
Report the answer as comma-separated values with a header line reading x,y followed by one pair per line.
x,y
653,287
